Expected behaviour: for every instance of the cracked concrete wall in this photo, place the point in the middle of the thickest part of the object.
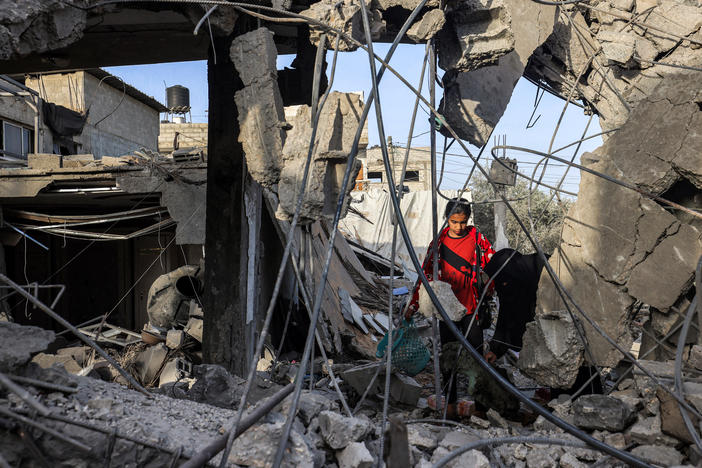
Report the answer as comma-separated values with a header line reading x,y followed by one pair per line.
x,y
35,26
619,247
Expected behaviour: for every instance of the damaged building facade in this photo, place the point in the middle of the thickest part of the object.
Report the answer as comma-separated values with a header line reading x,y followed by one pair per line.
x,y
629,248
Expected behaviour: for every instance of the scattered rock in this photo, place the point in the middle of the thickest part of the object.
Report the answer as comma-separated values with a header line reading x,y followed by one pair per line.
x,y
355,455
216,386
175,339
602,412
310,405
257,447
339,431
569,460
658,454
404,389
456,439
20,343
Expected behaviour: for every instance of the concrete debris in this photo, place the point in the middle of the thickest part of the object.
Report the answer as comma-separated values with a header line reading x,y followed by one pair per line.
x,y
428,26
310,405
484,51
345,16
659,454
194,328
339,431
404,389
20,343
216,386
651,243
552,349
260,105
257,447
175,339
355,455
455,310
602,412
338,122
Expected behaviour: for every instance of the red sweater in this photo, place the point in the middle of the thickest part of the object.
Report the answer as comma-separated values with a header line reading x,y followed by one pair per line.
x,y
457,265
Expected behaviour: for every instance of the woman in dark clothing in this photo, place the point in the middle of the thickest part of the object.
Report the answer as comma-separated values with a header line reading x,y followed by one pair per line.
x,y
516,278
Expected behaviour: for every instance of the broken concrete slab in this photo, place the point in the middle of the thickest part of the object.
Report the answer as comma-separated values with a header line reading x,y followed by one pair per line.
x,y
404,389
260,105
647,431
428,26
20,343
455,310
552,349
355,455
484,54
339,431
345,16
78,353
602,412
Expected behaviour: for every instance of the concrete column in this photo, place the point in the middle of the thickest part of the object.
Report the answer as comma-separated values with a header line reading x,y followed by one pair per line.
x,y
224,340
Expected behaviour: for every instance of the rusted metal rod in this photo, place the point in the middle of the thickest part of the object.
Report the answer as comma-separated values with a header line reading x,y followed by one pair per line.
x,y
23,394
75,331
201,458
11,414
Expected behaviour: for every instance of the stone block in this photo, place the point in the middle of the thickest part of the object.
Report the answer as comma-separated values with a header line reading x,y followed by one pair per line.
x,y
456,439
49,360
671,419
43,161
170,373
422,437
194,328
455,310
20,343
648,431
175,338
355,455
602,412
339,431
404,389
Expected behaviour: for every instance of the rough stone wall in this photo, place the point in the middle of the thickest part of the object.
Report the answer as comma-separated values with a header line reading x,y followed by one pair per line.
x,y
190,134
619,247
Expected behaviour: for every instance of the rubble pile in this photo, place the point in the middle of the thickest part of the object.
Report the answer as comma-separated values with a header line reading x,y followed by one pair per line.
x,y
179,419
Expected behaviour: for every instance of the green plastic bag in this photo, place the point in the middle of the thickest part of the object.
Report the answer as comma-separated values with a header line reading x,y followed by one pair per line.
x,y
409,355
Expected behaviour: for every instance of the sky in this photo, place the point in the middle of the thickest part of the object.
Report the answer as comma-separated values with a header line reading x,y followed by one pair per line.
x,y
352,74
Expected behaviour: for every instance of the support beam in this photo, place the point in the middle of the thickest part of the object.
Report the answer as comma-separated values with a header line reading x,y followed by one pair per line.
x,y
224,340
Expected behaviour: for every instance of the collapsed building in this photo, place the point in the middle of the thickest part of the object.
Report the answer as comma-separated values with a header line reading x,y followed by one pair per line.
x,y
630,243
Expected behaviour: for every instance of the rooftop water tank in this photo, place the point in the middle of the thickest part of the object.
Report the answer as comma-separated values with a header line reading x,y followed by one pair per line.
x,y
177,97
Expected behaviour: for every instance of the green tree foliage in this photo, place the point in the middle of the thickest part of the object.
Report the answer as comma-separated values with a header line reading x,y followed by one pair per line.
x,y
548,217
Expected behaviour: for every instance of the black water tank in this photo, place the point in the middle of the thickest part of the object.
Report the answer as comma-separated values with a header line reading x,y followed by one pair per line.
x,y
177,96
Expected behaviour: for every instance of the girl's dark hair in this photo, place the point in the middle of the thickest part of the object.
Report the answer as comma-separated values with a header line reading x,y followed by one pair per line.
x,y
457,206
